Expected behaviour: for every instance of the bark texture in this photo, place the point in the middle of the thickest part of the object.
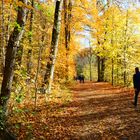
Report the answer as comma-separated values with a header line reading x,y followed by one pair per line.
x,y
48,78
11,51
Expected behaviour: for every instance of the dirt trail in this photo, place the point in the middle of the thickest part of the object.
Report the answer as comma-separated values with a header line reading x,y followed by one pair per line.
x,y
98,111
101,111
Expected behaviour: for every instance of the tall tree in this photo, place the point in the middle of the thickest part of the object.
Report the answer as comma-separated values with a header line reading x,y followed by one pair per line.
x,y
125,49
29,55
11,51
48,78
67,23
2,49
90,61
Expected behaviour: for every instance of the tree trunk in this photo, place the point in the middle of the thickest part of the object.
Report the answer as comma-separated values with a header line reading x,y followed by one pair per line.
x,y
99,69
8,25
112,73
124,69
29,55
41,45
48,78
65,3
90,69
11,51
90,62
67,21
125,50
102,69
117,78
2,49
38,70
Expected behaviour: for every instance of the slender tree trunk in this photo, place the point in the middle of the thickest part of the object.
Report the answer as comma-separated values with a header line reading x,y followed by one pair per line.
x,y
112,73
29,55
67,22
2,49
124,73
99,69
41,45
102,69
8,25
125,50
117,78
11,51
37,72
90,62
112,44
68,36
90,69
48,79
65,3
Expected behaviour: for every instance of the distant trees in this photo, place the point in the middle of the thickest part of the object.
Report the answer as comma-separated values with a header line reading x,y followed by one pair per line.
x,y
114,40
86,63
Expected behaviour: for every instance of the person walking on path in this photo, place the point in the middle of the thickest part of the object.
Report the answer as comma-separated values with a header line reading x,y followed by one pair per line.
x,y
81,78
136,82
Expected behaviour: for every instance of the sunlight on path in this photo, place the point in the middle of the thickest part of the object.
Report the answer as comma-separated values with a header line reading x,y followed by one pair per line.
x,y
98,111
104,112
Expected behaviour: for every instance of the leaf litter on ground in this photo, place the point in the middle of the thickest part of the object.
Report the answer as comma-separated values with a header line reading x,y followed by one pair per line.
x,y
88,111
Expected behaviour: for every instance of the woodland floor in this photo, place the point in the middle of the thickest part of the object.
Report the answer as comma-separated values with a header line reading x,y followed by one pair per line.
x,y
97,111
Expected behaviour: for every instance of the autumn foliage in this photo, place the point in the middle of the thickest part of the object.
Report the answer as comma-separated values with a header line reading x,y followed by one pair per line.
x,y
45,45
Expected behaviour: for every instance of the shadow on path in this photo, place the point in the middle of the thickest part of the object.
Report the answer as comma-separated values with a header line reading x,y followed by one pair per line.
x,y
98,111
102,112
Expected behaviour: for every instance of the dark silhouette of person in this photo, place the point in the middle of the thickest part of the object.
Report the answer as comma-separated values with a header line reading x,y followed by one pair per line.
x,y
81,78
75,78
136,82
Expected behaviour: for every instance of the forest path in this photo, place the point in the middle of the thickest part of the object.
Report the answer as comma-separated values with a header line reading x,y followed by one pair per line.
x,y
97,111
104,112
